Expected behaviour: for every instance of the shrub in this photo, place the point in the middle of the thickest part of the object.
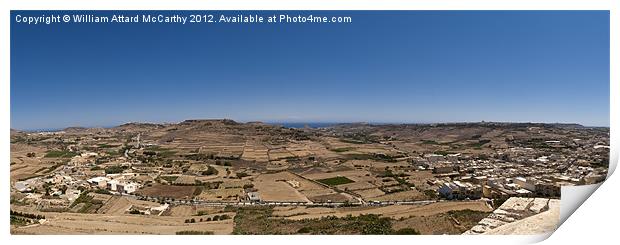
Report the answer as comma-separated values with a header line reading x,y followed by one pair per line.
x,y
406,231
194,233
303,230
114,169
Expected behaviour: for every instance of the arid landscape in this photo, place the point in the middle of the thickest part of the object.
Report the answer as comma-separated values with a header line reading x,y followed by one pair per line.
x,y
226,177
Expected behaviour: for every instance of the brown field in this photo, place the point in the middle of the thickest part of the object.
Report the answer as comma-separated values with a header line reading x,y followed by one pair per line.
x,y
357,186
171,191
355,175
230,194
280,153
335,144
437,224
117,205
317,192
301,149
182,210
23,167
393,211
309,189
380,166
409,195
198,167
419,179
185,179
273,187
254,151
235,183
279,165
221,173
191,210
369,193
71,223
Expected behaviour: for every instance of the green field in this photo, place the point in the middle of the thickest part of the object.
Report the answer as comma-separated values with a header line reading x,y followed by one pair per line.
x,y
344,149
60,154
336,181
169,178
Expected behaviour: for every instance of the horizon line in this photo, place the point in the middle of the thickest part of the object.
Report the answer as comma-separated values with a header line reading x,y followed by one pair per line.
x,y
302,122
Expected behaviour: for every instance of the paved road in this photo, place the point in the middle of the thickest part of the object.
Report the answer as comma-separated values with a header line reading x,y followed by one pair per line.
x,y
311,204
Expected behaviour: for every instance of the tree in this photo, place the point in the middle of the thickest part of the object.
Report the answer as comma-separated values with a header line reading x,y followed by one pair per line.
x,y
210,171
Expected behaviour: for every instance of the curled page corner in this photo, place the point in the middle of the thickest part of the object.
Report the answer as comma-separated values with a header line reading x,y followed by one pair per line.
x,y
613,162
549,213
573,197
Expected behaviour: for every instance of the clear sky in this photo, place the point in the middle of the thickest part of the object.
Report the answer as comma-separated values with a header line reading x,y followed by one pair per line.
x,y
403,66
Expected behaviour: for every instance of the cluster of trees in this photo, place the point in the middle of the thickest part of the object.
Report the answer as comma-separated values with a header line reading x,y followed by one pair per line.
x,y
211,156
215,218
20,221
220,217
241,175
103,191
115,169
224,163
27,215
208,185
210,171
135,211
200,157
82,198
194,233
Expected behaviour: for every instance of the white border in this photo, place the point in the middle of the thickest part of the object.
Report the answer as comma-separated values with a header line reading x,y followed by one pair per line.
x,y
580,230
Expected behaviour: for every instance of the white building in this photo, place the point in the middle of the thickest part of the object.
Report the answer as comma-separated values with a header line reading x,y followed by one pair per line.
x,y
131,187
460,190
121,186
99,181
22,186
434,158
525,183
254,196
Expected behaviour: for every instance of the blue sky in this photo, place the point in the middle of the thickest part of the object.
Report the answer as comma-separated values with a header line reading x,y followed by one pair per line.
x,y
401,66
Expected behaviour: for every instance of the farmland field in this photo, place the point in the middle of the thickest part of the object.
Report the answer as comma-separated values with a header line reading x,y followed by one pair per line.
x,y
340,180
170,191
